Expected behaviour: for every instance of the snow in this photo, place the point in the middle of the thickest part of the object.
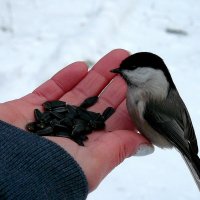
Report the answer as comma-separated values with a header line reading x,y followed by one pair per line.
x,y
37,38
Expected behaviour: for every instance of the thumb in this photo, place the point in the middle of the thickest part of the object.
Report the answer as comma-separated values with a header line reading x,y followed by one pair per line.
x,y
113,147
120,144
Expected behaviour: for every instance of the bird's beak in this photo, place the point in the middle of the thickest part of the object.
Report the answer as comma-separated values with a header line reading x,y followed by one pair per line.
x,y
117,71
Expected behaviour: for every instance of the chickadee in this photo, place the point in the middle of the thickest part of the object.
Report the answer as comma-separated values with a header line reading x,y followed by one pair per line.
x,y
157,109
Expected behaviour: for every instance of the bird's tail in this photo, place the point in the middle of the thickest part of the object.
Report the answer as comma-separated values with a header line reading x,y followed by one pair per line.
x,y
194,166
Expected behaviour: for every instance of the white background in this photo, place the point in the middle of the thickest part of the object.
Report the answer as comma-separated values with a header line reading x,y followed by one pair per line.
x,y
38,38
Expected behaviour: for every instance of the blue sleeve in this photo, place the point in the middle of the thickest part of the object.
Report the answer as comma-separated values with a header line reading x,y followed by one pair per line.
x,y
35,168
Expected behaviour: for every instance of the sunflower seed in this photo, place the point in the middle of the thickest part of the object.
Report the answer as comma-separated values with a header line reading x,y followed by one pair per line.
x,y
46,131
89,102
31,126
37,114
79,127
108,112
50,105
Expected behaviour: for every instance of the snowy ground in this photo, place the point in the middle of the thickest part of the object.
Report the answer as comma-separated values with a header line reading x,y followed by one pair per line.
x,y
37,38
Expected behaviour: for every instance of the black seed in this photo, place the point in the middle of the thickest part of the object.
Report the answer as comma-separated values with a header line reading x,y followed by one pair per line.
x,y
67,121
41,125
71,108
59,127
88,115
57,104
84,114
72,113
108,112
94,115
97,124
60,109
31,126
63,134
79,122
54,122
79,127
46,117
57,115
47,106
98,117
89,102
37,114
70,116
46,131
50,105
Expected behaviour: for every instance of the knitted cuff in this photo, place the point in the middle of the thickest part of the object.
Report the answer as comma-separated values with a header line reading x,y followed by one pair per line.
x,y
32,167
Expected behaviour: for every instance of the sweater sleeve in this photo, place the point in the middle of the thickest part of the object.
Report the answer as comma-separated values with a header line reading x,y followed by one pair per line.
x,y
34,168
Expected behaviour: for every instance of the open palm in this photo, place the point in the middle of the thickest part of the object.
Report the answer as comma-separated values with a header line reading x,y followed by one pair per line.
x,y
105,149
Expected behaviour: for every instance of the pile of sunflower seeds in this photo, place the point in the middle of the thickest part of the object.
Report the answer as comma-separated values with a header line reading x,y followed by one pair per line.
x,y
64,120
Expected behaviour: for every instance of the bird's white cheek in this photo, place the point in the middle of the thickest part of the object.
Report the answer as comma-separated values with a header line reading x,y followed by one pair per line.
x,y
147,83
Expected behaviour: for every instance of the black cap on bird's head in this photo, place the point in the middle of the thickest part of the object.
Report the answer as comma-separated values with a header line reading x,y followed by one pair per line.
x,y
143,59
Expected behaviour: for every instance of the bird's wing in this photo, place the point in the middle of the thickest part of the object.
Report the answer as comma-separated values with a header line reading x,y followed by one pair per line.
x,y
189,133
171,119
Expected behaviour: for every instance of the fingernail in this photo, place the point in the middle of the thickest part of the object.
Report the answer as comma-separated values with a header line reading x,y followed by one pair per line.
x,y
144,149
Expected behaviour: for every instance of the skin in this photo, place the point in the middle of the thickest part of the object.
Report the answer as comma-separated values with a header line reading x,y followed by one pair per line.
x,y
105,149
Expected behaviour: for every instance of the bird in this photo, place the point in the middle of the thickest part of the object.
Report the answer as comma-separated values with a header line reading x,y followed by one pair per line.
x,y
157,109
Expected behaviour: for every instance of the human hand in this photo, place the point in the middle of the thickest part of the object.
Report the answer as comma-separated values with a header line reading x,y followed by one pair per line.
x,y
105,149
